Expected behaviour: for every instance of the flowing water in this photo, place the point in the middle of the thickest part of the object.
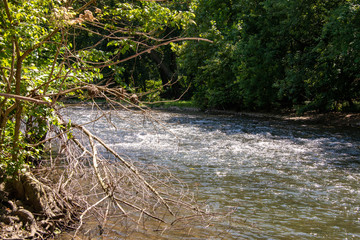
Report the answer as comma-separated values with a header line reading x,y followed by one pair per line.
x,y
290,181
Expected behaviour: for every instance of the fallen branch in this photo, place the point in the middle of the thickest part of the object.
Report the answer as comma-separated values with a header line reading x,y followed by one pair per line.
x,y
105,188
83,214
127,164
141,210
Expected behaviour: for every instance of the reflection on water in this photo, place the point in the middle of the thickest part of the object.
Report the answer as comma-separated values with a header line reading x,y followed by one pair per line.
x,y
290,181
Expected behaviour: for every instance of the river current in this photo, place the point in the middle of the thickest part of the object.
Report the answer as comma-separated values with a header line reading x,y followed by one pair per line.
x,y
289,181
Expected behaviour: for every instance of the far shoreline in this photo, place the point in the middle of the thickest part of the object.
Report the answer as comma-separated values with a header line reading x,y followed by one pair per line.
x,y
330,119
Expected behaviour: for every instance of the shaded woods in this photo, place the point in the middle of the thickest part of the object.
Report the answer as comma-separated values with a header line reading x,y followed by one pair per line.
x,y
275,54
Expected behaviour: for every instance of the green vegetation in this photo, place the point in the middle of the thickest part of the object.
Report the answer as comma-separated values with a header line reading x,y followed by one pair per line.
x,y
260,55
180,104
51,50
275,54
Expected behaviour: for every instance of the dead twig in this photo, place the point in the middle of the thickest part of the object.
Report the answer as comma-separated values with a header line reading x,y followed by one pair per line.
x,y
127,164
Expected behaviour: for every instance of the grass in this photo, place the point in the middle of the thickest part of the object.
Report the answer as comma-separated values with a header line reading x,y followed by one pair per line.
x,y
180,104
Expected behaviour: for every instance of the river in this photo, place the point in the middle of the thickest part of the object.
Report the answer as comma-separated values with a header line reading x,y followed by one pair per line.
x,y
289,181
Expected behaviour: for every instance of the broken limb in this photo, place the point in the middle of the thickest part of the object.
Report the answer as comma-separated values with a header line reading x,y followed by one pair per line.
x,y
122,160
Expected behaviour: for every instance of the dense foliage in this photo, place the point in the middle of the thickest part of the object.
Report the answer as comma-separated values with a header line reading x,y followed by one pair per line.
x,y
31,34
275,54
51,49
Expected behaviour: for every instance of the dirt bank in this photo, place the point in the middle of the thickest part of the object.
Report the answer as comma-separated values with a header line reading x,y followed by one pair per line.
x,y
326,119
30,209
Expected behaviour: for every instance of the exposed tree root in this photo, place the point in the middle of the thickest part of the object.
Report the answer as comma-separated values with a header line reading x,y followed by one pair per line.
x,y
36,211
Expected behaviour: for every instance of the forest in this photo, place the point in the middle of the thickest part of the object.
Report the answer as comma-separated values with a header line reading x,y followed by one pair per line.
x,y
264,55
240,55
302,55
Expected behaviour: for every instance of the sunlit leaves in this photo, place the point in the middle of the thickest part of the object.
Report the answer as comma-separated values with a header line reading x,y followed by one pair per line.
x,y
36,62
29,22
122,46
147,16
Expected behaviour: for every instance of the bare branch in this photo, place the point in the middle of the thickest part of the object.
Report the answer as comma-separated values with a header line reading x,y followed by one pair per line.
x,y
27,99
175,100
7,10
148,50
85,6
127,164
141,210
84,213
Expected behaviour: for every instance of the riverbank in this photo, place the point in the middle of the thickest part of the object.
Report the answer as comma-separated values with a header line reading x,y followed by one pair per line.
x,y
327,119
333,119
31,209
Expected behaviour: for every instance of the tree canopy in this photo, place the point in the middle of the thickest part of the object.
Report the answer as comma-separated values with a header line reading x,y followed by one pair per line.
x,y
275,54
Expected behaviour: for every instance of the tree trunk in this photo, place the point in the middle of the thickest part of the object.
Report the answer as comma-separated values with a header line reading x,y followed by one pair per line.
x,y
168,74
